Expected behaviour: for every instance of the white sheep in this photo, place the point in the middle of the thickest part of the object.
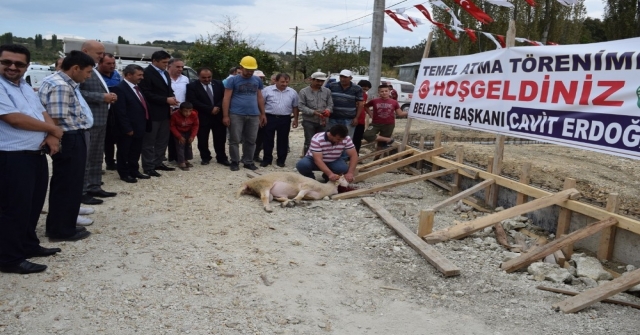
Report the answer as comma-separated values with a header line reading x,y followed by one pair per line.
x,y
283,186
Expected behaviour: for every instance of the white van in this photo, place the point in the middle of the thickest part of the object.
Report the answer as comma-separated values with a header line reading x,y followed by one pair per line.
x,y
404,88
36,73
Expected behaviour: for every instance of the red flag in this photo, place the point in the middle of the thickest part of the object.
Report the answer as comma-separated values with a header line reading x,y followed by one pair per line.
x,y
471,34
425,12
531,3
402,22
474,11
501,39
413,22
448,32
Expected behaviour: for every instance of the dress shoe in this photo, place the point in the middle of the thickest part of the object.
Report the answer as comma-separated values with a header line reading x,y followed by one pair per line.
x,y
76,237
83,221
225,163
78,230
189,164
234,166
251,167
163,167
280,164
129,179
140,176
86,211
257,159
102,194
111,167
264,164
89,200
43,252
24,268
152,173
205,162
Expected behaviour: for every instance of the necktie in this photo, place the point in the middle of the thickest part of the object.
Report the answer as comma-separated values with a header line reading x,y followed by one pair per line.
x,y
144,104
209,93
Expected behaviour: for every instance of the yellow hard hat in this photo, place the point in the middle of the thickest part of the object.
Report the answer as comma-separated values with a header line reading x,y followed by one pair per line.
x,y
249,63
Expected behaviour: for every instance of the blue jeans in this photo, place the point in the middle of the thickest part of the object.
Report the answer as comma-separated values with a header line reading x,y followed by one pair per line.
x,y
346,122
306,166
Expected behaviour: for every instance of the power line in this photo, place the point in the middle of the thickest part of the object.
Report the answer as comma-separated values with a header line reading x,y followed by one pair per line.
x,y
285,43
356,19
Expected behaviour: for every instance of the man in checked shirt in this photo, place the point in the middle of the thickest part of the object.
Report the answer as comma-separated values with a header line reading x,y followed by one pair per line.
x,y
61,97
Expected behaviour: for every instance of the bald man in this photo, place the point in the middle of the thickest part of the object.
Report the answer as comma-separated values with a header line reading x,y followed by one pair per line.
x,y
96,93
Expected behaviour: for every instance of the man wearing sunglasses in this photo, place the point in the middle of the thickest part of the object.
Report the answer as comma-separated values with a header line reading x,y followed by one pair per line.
x,y
25,127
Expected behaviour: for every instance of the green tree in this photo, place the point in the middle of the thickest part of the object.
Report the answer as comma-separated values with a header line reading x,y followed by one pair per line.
x,y
38,41
6,38
221,51
621,19
54,41
121,40
332,55
593,31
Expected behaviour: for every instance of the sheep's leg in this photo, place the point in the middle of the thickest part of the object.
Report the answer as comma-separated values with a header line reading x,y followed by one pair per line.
x,y
300,196
284,201
265,196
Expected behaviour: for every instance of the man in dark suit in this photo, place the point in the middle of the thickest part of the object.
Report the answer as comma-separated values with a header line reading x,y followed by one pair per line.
x,y
95,91
156,89
132,118
206,96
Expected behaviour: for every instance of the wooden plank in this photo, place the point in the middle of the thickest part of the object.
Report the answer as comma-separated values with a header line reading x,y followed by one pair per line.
x,y
457,179
420,148
473,202
560,259
564,220
437,143
376,153
397,164
425,222
441,184
470,227
608,236
521,198
596,294
549,248
466,193
501,235
595,212
433,256
391,184
567,292
386,159
405,136
497,169
489,170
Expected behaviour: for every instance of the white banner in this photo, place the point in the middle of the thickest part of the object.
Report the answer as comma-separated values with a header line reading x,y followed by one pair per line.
x,y
585,96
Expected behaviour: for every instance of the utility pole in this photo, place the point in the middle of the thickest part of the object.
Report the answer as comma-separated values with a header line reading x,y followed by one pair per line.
x,y
377,33
359,50
295,52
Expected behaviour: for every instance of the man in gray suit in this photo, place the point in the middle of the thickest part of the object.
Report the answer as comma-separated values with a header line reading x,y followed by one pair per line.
x,y
95,91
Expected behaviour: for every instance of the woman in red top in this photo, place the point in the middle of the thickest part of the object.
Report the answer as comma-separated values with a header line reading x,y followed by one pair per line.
x,y
357,134
184,127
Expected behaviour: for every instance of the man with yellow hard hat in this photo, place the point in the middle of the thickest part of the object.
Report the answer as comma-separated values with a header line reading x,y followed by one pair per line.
x,y
243,113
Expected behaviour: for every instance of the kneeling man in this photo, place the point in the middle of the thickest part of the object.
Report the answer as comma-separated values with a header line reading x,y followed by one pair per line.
x,y
324,155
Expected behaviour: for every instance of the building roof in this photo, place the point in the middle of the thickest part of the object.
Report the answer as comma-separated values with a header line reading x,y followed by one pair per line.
x,y
408,64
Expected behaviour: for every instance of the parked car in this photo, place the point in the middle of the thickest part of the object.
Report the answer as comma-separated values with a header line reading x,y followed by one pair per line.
x,y
36,73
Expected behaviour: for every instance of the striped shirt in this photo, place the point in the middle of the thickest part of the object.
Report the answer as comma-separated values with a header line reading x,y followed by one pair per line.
x,y
61,97
278,102
345,100
19,99
330,152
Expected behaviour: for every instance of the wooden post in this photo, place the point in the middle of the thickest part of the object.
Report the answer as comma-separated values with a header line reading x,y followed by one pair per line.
x,y
425,225
489,170
421,148
437,143
497,169
407,128
608,236
564,220
456,178
525,179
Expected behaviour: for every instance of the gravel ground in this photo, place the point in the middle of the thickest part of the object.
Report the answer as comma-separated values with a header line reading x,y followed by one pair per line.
x,y
181,255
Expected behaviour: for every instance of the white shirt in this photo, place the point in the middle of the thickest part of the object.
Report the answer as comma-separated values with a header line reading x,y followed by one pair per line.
x,y
179,87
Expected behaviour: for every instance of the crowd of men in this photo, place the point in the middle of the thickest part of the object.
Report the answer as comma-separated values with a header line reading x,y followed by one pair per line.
x,y
86,107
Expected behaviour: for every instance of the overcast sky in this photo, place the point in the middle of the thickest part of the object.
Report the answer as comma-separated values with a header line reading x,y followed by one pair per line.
x,y
268,21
